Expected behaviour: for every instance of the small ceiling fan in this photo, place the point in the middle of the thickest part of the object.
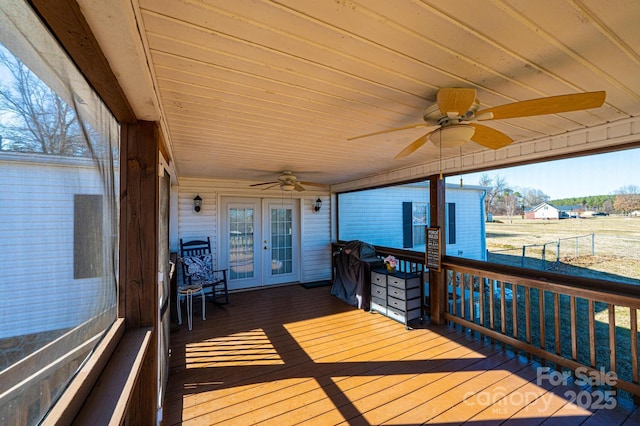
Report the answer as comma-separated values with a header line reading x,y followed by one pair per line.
x,y
287,182
450,122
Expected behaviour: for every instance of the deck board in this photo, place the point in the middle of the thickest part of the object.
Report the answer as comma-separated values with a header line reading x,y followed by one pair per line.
x,y
290,355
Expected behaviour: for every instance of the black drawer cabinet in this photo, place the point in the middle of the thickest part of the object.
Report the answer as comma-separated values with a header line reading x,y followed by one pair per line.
x,y
396,295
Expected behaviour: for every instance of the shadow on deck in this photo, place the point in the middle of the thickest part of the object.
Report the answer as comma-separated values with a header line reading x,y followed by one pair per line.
x,y
292,355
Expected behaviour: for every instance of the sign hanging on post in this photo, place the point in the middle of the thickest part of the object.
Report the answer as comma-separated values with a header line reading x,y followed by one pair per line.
x,y
432,250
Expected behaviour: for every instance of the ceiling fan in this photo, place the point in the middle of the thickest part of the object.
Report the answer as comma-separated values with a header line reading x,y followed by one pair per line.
x,y
287,182
450,122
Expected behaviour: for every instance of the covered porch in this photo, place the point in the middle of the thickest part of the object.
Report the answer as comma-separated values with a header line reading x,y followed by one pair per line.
x,y
193,124
292,355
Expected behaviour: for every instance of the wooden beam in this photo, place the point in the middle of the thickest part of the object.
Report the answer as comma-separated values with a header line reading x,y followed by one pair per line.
x,y
65,20
164,150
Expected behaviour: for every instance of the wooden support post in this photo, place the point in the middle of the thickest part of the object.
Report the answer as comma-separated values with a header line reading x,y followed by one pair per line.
x,y
138,299
437,286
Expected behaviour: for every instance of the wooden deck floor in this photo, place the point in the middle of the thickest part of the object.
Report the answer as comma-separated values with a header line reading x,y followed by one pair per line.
x,y
291,355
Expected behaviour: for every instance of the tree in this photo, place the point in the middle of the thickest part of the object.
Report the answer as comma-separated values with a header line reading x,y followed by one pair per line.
x,y
591,202
496,186
511,202
533,197
32,117
627,199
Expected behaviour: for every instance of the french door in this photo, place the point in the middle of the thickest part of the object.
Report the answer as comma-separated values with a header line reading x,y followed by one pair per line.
x,y
260,241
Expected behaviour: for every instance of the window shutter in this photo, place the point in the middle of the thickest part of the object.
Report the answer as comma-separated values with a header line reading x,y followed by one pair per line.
x,y
407,224
451,226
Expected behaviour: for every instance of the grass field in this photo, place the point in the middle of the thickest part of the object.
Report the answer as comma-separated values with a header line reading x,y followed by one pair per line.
x,y
612,253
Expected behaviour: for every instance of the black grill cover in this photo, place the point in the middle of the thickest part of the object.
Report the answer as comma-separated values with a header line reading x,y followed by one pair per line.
x,y
352,283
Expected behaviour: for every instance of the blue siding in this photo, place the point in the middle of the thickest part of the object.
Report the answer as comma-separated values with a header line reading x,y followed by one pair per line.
x,y
376,216
470,227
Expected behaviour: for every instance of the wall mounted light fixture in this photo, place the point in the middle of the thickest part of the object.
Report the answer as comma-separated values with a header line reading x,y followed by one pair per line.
x,y
318,205
197,203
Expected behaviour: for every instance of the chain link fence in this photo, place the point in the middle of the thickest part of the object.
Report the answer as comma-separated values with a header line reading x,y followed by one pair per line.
x,y
545,255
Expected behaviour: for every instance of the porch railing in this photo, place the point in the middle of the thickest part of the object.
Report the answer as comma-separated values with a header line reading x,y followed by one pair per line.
x,y
584,325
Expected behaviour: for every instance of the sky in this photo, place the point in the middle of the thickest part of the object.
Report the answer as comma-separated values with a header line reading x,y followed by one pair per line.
x,y
601,174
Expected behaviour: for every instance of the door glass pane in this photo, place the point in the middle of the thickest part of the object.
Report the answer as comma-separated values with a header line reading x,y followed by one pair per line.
x,y
241,248
281,241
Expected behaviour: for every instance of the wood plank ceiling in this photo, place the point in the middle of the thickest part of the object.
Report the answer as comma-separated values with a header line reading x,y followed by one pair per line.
x,y
246,89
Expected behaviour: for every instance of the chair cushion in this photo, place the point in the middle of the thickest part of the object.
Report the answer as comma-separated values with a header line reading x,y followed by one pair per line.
x,y
199,268
189,289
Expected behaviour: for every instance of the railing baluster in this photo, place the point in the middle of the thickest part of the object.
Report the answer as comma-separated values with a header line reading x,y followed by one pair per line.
x,y
455,293
491,305
481,291
527,312
447,276
574,333
633,319
527,315
556,322
503,322
612,337
592,332
543,331
454,290
462,295
472,311
514,303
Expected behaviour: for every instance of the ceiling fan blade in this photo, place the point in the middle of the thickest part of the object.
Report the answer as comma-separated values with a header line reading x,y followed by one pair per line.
x,y
409,149
541,106
491,138
411,126
298,187
263,183
272,186
457,100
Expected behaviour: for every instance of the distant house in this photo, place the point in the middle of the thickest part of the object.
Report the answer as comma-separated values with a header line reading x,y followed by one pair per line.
x,y
544,211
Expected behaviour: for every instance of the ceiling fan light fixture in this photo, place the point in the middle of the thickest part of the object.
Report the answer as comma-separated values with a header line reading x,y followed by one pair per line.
x,y
452,136
288,186
457,105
